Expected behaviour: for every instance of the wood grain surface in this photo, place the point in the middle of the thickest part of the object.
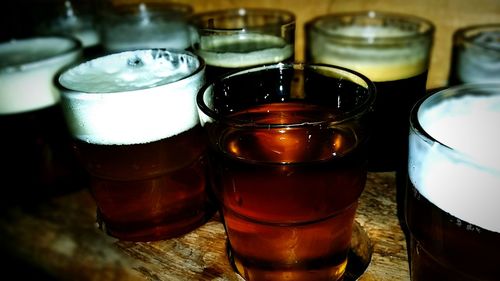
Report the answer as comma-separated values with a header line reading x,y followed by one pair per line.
x,y
60,237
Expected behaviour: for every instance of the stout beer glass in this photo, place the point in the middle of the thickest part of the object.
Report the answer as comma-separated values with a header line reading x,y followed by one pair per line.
x,y
476,54
35,145
454,185
238,38
287,153
134,119
393,51
147,24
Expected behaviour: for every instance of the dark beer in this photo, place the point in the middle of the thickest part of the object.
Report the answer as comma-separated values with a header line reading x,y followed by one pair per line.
x,y
133,116
393,51
288,165
454,175
230,53
234,39
444,247
35,145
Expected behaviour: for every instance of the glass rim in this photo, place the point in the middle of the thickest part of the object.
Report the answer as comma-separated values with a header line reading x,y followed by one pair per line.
x,y
464,34
429,100
198,19
428,27
62,86
345,116
75,47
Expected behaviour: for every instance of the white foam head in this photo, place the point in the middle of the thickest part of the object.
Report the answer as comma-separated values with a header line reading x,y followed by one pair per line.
x,y
27,70
156,34
459,170
362,48
133,97
479,60
213,52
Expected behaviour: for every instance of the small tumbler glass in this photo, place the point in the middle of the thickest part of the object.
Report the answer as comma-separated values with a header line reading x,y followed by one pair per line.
x,y
288,164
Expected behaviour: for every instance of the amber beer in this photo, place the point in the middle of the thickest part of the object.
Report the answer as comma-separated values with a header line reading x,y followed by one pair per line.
x,y
234,39
133,116
454,175
393,51
37,160
287,168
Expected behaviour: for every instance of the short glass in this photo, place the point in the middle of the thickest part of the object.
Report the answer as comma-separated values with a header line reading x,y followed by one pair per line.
x,y
35,146
136,130
392,50
239,38
454,179
145,24
288,164
71,18
476,54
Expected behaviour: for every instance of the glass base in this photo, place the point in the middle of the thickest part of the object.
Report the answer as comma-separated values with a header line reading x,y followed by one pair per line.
x,y
358,259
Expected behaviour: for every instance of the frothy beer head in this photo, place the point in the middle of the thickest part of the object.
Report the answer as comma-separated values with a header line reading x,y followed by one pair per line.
x,y
27,70
453,158
132,97
478,54
384,47
242,50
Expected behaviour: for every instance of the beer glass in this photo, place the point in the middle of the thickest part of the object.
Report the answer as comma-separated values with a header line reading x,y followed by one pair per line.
x,y
35,148
71,18
476,54
393,51
238,38
454,178
288,164
144,24
134,120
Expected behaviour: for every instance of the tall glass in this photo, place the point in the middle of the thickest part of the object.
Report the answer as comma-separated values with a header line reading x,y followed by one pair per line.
x,y
454,185
35,145
239,38
136,130
126,26
288,164
476,54
393,51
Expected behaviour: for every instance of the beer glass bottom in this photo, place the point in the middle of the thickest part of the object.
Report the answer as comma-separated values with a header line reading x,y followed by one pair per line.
x,y
264,251
358,259
162,231
161,207
425,267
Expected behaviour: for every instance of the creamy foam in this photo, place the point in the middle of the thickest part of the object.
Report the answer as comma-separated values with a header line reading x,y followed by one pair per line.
x,y
212,50
378,62
27,69
465,181
479,61
132,97
157,34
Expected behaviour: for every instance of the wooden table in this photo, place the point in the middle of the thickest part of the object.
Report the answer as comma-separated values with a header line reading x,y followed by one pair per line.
x,y
60,237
